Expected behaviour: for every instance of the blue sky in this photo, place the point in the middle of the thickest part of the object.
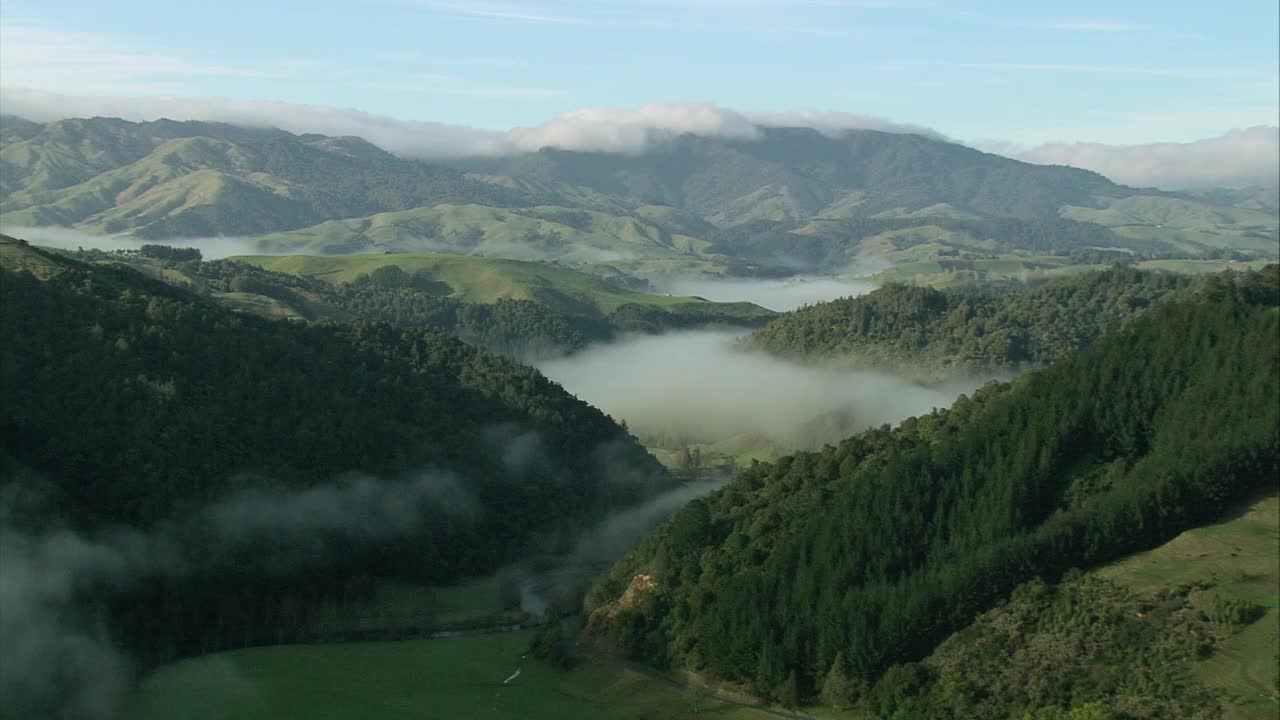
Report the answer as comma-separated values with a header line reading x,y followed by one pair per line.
x,y
1111,72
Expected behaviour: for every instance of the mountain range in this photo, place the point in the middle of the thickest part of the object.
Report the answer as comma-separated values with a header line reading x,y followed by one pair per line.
x,y
667,208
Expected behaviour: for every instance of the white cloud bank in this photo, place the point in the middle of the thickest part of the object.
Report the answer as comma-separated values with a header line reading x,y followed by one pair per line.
x,y
780,295
593,128
211,248
698,386
1237,158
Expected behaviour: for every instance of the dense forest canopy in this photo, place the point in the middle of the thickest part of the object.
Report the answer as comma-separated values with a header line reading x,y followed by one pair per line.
x,y
869,554
923,327
278,464
554,323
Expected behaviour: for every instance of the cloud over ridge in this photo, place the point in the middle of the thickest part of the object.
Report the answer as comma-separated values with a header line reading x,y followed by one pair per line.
x,y
1238,158
1242,157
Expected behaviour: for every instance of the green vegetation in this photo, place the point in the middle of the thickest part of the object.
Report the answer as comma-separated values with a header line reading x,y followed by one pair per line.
x,y
794,173
523,309
882,547
432,679
1184,222
587,238
1232,562
487,280
791,200
906,326
169,179
177,418
1187,630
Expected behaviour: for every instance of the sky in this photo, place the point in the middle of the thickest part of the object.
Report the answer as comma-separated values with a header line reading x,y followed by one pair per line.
x,y
1021,73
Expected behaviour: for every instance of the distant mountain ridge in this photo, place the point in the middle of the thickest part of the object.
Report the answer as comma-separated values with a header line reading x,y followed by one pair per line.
x,y
795,173
662,208
189,179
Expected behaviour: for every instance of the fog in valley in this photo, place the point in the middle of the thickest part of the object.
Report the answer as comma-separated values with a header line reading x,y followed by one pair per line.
x,y
780,294
700,387
211,248
58,652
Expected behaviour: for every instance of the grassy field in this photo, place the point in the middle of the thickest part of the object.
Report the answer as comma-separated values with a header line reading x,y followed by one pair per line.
x,y
1238,558
486,280
462,677
257,305
19,257
1006,268
1183,222
420,679
1197,267
577,236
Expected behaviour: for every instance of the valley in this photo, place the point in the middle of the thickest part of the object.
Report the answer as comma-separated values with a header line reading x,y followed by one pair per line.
x,y
795,422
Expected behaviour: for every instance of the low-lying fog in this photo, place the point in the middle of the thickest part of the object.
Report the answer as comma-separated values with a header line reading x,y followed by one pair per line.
x,y
700,387
211,248
780,295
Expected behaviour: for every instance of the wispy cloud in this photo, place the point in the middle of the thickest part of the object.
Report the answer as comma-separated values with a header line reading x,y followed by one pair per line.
x,y
417,56
46,57
805,17
1112,69
608,129
1106,26
481,61
453,85
1239,158
500,11
1086,68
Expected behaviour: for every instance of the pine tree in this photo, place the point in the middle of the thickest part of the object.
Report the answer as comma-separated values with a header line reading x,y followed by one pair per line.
x,y
838,690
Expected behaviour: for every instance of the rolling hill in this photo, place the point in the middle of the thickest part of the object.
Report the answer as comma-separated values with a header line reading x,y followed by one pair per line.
x,y
860,559
254,471
192,179
524,309
487,280
653,239
656,211
904,327
796,173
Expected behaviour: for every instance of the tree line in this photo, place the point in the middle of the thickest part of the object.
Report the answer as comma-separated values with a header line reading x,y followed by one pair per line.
x,y
860,559
133,404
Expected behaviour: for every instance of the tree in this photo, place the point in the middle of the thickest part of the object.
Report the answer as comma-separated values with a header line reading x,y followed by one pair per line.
x,y
789,692
838,690
546,644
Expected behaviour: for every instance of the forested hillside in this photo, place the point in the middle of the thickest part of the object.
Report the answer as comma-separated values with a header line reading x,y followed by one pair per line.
x,y
867,555
263,468
901,325
523,309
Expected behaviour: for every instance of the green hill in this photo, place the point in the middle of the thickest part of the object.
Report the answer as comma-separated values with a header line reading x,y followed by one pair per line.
x,y
688,205
1187,630
527,310
168,179
652,239
862,558
252,471
487,280
796,173
904,326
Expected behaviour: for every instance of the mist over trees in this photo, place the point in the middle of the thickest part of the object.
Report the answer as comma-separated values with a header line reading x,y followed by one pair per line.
x,y
233,473
872,552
